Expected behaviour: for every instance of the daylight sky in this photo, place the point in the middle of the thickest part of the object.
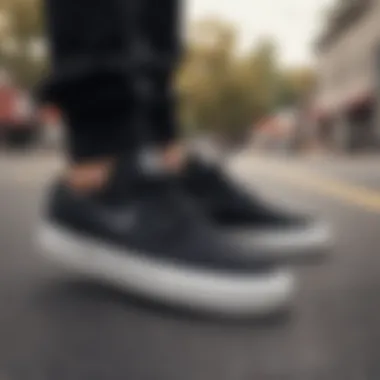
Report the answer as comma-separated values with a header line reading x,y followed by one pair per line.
x,y
292,23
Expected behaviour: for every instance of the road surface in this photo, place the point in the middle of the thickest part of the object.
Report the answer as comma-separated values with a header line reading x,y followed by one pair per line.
x,y
54,326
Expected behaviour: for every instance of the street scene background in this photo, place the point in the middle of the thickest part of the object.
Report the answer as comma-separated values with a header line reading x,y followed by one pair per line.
x,y
304,134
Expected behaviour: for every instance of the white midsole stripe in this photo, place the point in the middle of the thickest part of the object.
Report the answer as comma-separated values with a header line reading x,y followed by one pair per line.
x,y
170,283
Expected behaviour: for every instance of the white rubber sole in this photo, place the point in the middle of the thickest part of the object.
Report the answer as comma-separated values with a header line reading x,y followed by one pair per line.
x,y
301,243
176,285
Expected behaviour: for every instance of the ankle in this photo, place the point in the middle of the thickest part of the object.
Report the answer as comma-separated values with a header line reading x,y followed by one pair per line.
x,y
174,157
89,176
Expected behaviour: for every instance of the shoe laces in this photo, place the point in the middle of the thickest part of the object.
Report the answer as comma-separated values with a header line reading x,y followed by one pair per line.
x,y
166,207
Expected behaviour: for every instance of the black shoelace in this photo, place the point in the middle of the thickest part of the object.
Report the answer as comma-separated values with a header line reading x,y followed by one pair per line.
x,y
166,208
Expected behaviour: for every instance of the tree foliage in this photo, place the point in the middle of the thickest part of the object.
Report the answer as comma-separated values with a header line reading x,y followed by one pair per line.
x,y
21,39
224,90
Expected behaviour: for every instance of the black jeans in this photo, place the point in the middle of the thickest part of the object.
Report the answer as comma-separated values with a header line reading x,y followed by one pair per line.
x,y
103,54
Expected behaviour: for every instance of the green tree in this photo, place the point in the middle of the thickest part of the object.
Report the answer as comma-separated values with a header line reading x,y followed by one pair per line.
x,y
222,90
296,84
206,74
22,50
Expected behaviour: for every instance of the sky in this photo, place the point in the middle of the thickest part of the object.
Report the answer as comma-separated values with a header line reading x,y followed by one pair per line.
x,y
293,24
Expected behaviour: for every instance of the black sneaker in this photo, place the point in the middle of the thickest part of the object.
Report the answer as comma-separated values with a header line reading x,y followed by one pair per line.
x,y
143,234
249,221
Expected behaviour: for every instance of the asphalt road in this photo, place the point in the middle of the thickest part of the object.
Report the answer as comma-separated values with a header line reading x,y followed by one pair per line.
x,y
54,326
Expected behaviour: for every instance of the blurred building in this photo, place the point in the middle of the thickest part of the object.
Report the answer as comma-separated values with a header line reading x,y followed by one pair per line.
x,y
347,98
276,132
22,122
18,124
